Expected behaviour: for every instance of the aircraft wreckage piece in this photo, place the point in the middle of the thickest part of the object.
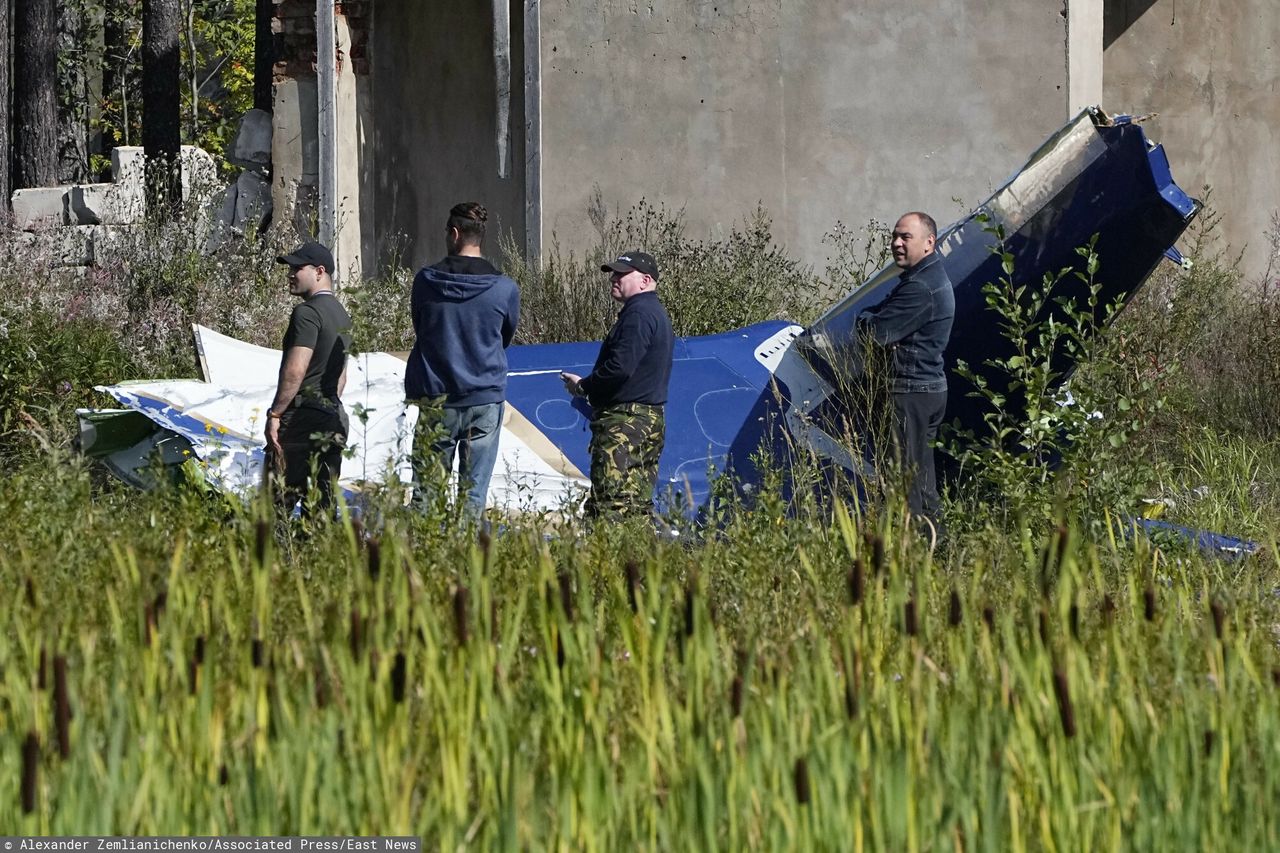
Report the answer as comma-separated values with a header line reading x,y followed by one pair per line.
x,y
763,385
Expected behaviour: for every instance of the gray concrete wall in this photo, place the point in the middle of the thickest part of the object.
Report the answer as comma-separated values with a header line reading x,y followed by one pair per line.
x,y
821,110
434,124
1212,72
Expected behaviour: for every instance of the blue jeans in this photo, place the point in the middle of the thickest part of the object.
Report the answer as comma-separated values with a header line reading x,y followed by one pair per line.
x,y
471,433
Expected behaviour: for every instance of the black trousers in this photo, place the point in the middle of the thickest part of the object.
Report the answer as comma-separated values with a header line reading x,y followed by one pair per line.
x,y
916,421
308,436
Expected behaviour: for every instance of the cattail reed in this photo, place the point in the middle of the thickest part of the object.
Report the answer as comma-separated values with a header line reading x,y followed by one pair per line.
x,y
42,670
461,603
857,582
910,624
690,605
736,689
61,706
565,583
356,635
1219,618
955,610
148,623
321,687
852,685
373,558
633,585
261,538
30,768
1065,710
877,552
1149,603
800,775
398,667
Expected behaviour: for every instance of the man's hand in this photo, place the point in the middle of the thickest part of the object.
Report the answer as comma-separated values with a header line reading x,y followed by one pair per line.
x,y
273,434
572,384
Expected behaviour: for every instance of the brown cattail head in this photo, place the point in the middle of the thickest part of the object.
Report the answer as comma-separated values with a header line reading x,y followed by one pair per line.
x,y
61,706
398,667
1149,603
909,620
1219,618
461,603
989,617
485,541
955,610
321,687
1108,609
42,670
633,585
1210,737
30,768
1065,710
32,598
1073,618
876,541
800,775
857,582
1042,619
1063,536
559,651
356,636
198,653
566,594
735,696
257,653
223,775
261,538
373,557
1275,676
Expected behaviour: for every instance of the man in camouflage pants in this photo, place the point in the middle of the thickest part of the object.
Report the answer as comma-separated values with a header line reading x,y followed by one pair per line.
x,y
627,389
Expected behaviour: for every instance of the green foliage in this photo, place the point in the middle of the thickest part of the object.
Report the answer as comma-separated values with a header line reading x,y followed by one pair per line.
x,y
707,286
1046,439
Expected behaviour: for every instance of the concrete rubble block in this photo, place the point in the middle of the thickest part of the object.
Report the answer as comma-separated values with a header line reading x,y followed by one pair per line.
x,y
128,164
71,247
199,173
252,146
39,207
105,204
252,201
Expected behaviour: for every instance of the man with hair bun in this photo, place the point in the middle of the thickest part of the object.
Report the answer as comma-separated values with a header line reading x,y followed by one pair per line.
x,y
464,314
914,324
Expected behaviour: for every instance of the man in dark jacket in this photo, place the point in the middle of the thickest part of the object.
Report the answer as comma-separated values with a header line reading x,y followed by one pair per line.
x,y
914,323
627,389
464,315
306,423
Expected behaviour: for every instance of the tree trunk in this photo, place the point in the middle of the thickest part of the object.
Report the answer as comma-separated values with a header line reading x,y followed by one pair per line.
x,y
264,55
161,104
6,92
73,110
35,100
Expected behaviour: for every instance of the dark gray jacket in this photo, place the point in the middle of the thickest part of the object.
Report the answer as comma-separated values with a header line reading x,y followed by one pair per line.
x,y
914,323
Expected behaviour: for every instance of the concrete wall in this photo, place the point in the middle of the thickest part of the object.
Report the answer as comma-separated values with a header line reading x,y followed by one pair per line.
x,y
1212,71
434,124
822,110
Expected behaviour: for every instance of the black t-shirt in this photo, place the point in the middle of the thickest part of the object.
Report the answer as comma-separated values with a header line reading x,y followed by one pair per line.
x,y
322,324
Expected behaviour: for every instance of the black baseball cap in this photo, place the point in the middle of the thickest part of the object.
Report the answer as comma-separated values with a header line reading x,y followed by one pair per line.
x,y
309,253
641,262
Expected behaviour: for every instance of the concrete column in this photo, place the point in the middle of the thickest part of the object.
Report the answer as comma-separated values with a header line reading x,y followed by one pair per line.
x,y
1084,54
533,130
326,110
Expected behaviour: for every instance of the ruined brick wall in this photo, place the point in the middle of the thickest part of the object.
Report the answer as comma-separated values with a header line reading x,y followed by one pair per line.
x,y
294,26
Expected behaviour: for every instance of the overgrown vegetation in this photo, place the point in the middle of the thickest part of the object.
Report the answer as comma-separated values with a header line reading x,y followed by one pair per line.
x,y
805,676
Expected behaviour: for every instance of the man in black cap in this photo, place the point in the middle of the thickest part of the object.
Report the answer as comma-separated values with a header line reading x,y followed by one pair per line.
x,y
306,423
627,389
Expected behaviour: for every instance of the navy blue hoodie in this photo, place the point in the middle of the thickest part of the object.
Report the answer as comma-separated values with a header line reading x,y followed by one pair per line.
x,y
464,314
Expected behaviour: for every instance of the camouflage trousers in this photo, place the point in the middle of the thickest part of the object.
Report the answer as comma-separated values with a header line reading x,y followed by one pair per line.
x,y
626,441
